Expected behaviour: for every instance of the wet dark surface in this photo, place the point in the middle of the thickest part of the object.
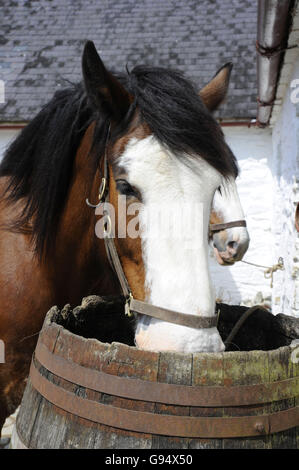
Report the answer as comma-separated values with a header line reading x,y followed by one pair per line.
x,y
103,318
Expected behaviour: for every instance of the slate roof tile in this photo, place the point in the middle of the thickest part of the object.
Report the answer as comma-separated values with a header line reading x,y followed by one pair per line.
x,y
41,43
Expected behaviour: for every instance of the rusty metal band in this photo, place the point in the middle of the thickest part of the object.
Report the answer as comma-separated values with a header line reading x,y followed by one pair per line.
x,y
166,425
137,389
224,226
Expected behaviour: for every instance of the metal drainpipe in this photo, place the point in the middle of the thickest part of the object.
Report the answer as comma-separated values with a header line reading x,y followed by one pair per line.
x,y
273,24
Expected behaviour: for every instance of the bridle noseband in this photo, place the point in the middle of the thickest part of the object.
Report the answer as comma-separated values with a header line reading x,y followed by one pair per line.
x,y
218,227
132,305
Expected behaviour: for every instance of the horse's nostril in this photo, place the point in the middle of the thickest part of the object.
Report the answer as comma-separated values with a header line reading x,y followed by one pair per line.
x,y
232,245
232,248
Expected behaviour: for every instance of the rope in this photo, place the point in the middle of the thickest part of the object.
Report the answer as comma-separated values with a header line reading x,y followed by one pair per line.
x,y
269,270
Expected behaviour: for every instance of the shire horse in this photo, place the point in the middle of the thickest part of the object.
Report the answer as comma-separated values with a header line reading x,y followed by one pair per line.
x,y
161,144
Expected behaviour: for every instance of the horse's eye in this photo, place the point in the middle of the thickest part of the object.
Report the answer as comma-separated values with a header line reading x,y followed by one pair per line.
x,y
219,189
125,188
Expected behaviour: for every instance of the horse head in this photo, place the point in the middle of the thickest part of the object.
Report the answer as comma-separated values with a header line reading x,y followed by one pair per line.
x,y
166,157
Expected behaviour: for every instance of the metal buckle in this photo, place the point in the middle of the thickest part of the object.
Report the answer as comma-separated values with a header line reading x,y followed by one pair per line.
x,y
102,189
101,194
218,315
127,305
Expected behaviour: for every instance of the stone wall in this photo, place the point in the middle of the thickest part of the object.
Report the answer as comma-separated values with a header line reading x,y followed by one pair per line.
x,y
243,283
285,171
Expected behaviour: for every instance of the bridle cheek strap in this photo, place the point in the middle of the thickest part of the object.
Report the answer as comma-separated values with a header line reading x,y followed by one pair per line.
x,y
139,307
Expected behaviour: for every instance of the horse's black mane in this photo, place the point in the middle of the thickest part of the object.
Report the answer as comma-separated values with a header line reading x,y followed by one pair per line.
x,y
172,108
39,162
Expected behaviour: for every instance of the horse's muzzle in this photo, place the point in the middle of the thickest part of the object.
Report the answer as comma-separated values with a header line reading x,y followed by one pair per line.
x,y
228,251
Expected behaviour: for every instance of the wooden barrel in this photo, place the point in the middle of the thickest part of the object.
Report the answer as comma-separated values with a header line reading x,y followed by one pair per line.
x,y
82,393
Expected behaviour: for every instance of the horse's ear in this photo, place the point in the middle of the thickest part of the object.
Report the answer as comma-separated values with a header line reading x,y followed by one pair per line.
x,y
215,91
103,89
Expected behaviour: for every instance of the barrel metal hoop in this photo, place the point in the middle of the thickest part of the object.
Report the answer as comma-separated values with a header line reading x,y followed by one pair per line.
x,y
137,389
166,425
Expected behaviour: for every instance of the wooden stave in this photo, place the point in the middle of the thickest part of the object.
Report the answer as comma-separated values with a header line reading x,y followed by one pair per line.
x,y
59,339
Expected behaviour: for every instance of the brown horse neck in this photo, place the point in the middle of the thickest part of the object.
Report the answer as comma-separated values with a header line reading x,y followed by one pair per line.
x,y
79,262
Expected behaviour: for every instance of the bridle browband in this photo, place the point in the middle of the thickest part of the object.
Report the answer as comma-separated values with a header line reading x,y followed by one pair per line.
x,y
132,305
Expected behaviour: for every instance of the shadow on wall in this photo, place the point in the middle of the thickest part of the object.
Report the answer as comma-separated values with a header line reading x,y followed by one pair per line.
x,y
225,286
240,284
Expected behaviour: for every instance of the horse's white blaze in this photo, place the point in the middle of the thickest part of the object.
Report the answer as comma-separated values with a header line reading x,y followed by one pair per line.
x,y
177,274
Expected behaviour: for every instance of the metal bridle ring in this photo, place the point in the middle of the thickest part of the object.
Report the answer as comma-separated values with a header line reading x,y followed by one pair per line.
x,y
107,232
101,194
102,188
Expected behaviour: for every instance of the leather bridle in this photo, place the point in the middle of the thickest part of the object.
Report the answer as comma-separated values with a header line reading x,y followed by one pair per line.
x,y
224,226
132,305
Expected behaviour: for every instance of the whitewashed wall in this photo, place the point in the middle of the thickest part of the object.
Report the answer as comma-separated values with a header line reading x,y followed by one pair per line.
x,y
242,283
6,136
285,169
